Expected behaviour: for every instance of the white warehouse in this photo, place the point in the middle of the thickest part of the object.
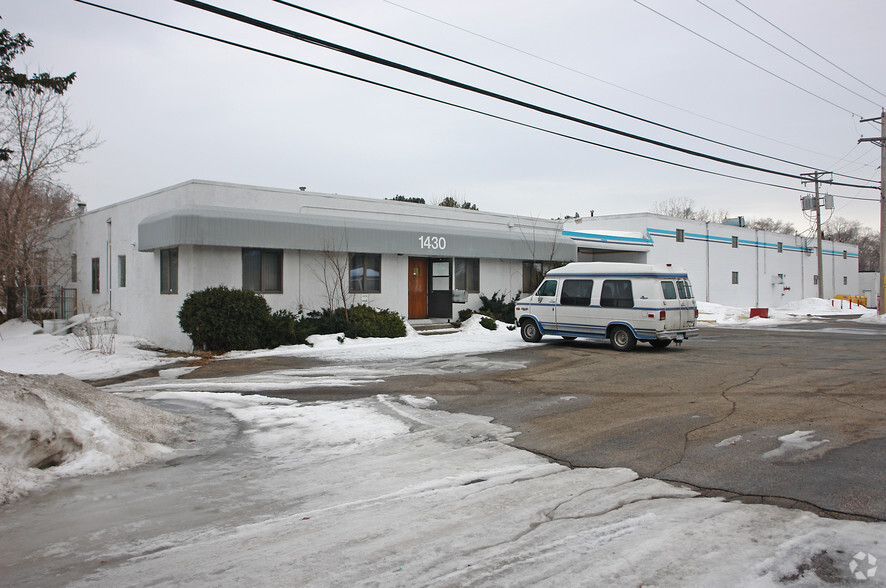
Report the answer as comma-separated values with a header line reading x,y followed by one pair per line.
x,y
141,257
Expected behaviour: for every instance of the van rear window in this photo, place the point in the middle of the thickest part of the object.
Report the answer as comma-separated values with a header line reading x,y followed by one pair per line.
x,y
669,291
576,292
617,294
684,289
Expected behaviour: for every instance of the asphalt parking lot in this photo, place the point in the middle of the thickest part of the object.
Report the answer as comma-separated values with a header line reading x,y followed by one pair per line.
x,y
794,416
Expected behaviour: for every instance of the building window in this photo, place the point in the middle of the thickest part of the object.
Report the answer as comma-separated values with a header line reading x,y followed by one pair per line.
x,y
74,267
576,292
534,271
844,254
617,294
467,274
734,242
96,278
845,280
815,280
681,235
263,270
734,277
169,271
121,271
365,272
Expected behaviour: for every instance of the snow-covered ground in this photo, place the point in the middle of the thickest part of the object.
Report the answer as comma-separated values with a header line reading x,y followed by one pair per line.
x,y
377,491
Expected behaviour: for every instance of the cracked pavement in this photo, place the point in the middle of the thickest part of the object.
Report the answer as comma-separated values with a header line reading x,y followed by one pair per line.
x,y
666,413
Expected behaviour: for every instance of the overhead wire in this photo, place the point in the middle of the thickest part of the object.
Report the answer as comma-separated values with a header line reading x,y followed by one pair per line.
x,y
475,89
425,97
602,81
745,59
785,53
533,84
772,24
437,100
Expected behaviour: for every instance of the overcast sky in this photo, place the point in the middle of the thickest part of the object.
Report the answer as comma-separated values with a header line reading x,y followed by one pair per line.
x,y
171,107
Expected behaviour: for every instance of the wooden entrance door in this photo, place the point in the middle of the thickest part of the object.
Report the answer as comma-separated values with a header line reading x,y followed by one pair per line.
x,y
418,288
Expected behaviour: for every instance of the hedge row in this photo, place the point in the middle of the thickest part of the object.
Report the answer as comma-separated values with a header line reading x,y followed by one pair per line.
x,y
222,319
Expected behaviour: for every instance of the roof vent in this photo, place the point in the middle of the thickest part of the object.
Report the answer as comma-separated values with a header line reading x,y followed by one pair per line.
x,y
81,207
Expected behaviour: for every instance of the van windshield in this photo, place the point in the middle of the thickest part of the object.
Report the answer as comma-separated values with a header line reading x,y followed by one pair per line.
x,y
548,288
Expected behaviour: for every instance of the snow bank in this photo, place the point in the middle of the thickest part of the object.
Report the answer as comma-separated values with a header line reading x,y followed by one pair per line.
x,y
799,311
26,349
54,426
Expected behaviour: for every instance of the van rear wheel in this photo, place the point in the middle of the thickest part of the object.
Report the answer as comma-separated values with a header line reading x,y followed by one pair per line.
x,y
622,339
660,343
530,332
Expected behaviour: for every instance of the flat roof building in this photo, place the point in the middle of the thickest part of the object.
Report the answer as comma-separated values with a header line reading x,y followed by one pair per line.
x,y
305,250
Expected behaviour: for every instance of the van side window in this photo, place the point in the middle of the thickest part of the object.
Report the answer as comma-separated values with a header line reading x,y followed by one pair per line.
x,y
669,291
548,288
617,294
576,292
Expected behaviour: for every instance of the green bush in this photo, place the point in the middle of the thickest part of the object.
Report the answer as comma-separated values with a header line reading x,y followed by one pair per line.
x,y
465,314
488,323
496,307
221,319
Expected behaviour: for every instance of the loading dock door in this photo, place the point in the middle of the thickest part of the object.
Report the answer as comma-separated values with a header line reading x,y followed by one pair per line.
x,y
418,288
440,281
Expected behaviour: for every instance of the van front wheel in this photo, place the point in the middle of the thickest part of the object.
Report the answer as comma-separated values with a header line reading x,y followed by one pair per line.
x,y
622,339
530,332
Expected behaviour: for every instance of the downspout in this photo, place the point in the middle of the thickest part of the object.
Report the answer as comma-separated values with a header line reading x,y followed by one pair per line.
x,y
109,263
707,252
757,248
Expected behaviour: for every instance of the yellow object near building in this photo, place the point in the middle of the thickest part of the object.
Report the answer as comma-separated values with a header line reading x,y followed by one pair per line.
x,y
853,298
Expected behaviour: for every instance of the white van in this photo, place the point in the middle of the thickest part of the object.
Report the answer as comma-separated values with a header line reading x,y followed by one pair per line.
x,y
622,302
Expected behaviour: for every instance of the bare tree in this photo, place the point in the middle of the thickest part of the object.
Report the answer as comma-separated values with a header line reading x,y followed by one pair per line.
x,y
41,140
681,207
333,271
851,231
773,226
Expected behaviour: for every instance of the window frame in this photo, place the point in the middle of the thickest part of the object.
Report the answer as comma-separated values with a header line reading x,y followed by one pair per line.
x,y
735,241
579,301
169,270
121,271
96,275
780,247
680,235
74,268
469,280
672,295
272,256
361,279
607,301
734,278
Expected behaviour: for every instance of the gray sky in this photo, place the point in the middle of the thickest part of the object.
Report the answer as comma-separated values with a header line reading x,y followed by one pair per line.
x,y
170,107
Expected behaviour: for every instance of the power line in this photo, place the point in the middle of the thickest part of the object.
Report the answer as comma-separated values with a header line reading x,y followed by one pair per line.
x,y
786,54
439,101
425,97
533,84
746,60
770,23
468,87
602,81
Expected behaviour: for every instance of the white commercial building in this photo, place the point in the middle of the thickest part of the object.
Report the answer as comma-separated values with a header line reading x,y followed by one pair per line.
x,y
140,258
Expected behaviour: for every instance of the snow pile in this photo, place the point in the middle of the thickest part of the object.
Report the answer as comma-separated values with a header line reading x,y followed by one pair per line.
x,y
54,426
381,492
26,349
793,312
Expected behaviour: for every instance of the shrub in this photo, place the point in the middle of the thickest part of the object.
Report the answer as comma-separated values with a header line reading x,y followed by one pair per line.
x,y
488,323
221,319
366,321
464,315
496,307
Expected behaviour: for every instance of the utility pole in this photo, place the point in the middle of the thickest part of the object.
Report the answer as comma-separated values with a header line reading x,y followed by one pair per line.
x,y
816,178
881,141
